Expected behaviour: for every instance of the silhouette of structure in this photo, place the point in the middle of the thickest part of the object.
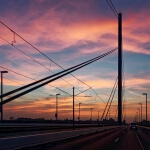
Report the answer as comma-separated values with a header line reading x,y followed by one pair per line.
x,y
119,68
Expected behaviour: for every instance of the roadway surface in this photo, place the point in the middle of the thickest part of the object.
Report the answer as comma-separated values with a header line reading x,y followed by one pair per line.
x,y
14,129
102,138
34,139
115,139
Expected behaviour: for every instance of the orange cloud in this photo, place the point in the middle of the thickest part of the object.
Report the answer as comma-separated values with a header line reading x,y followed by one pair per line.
x,y
57,31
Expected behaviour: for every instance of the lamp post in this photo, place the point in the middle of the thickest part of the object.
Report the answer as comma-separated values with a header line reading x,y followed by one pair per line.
x,y
91,113
146,106
79,111
141,111
139,114
98,116
73,109
56,114
2,93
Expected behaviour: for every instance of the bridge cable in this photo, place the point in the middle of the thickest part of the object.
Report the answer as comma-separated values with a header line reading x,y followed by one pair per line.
x,y
43,54
111,101
109,98
41,80
67,71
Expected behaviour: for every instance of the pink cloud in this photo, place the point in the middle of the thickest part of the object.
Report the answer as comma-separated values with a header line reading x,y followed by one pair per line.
x,y
55,30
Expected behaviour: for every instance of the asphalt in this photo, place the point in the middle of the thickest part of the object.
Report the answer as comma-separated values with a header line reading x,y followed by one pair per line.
x,y
33,140
102,138
115,139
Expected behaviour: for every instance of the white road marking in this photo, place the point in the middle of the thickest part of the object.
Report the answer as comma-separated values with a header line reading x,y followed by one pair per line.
x,y
116,140
139,141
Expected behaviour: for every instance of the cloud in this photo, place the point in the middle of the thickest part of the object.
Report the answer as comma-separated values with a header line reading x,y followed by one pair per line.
x,y
71,32
45,108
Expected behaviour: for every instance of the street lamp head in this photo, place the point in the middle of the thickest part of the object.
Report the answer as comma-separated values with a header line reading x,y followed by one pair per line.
x,y
87,96
4,71
80,103
57,94
144,93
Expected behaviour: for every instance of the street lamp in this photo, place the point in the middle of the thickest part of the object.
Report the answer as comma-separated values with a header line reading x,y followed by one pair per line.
x,y
146,106
79,111
139,114
56,114
141,111
91,113
2,93
98,116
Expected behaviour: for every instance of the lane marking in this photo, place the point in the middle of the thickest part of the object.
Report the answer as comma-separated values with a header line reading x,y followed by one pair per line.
x,y
139,141
116,140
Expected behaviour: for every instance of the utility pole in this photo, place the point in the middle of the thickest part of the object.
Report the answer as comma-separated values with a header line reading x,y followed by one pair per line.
x,y
139,114
120,68
56,114
137,117
98,116
146,106
91,113
79,111
73,108
141,111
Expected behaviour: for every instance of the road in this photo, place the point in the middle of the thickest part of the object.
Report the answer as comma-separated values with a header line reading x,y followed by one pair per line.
x,y
35,139
12,129
102,138
115,139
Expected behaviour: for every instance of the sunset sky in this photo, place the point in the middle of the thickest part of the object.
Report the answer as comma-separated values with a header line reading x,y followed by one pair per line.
x,y
70,32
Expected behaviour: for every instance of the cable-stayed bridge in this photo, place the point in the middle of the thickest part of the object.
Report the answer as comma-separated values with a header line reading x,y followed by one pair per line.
x,y
117,135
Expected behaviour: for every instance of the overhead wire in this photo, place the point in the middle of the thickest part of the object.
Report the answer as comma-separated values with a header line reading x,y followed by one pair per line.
x,y
23,84
39,90
31,58
67,71
56,76
115,12
112,7
28,56
31,78
44,55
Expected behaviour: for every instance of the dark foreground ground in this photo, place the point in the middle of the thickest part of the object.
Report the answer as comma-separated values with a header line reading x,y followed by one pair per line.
x,y
115,139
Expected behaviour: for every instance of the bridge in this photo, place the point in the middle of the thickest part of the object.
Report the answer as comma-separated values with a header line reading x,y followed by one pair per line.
x,y
104,128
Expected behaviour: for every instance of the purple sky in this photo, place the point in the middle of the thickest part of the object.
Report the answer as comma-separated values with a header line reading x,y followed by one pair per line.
x,y
70,32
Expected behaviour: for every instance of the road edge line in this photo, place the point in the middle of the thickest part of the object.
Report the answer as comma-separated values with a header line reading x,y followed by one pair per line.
x,y
139,141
